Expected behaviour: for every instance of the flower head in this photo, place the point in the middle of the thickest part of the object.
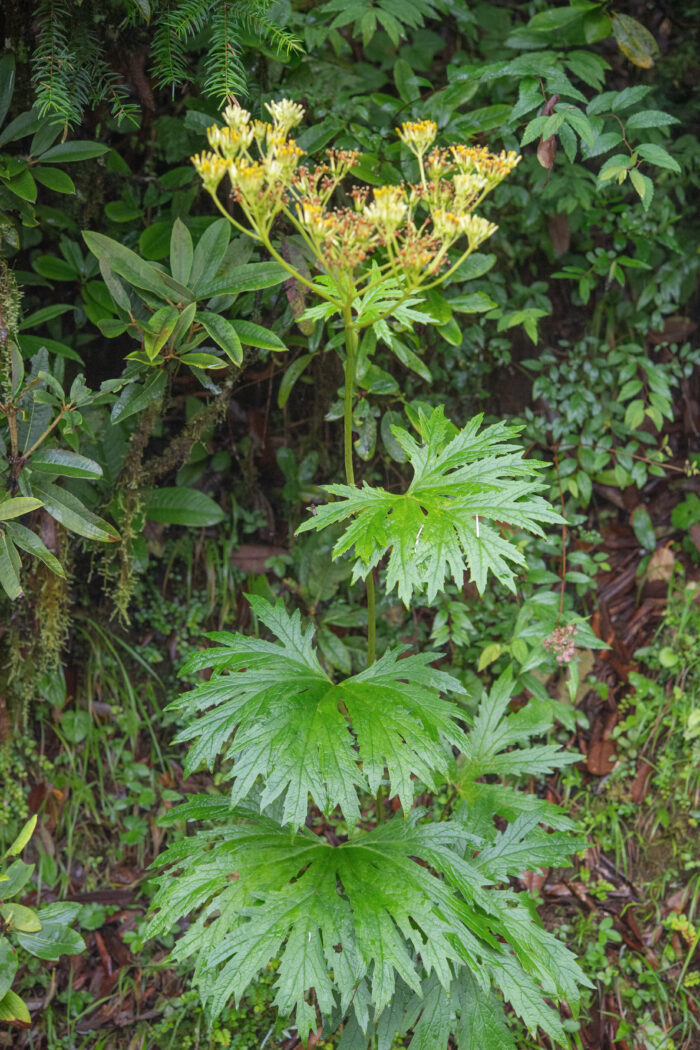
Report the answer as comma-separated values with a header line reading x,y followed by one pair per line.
x,y
562,642
477,229
418,135
285,114
388,209
230,142
210,168
236,117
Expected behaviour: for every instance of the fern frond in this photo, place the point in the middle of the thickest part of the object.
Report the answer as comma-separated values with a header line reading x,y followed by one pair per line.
x,y
190,16
168,49
225,73
262,28
55,66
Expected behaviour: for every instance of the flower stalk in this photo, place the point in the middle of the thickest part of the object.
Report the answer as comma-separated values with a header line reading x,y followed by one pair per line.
x,y
394,245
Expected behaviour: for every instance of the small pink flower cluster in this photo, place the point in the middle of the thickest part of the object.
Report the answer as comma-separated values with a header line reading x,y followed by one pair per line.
x,y
562,643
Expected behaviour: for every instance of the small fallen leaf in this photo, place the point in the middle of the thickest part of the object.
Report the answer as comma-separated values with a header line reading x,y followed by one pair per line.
x,y
661,565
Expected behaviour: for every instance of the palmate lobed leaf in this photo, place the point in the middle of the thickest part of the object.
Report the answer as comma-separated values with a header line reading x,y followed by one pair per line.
x,y
437,528
353,925
278,715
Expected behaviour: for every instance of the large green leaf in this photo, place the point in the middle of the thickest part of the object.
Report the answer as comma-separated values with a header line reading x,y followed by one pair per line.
x,y
68,509
305,735
19,918
181,252
66,463
135,397
17,875
347,922
255,335
183,506
439,526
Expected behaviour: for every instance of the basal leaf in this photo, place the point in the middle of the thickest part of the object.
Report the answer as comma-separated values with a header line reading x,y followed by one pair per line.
x,y
350,920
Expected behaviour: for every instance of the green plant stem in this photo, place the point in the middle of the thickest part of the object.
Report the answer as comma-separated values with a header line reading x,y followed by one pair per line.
x,y
350,362
371,620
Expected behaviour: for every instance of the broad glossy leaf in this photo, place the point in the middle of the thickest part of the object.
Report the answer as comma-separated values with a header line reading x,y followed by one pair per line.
x,y
18,874
26,123
249,278
71,512
255,335
209,254
54,179
306,735
65,463
183,506
440,526
73,151
53,940
134,269
23,186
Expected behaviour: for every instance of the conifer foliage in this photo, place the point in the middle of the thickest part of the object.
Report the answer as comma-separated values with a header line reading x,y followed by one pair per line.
x,y
384,924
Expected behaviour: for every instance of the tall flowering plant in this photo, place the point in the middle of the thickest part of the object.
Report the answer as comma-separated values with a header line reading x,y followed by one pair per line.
x,y
377,918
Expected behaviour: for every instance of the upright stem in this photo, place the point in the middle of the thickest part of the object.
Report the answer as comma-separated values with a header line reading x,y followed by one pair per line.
x,y
371,620
350,365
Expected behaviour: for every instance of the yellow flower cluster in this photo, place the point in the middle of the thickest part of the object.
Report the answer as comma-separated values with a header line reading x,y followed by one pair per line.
x,y
418,135
414,225
474,227
477,159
